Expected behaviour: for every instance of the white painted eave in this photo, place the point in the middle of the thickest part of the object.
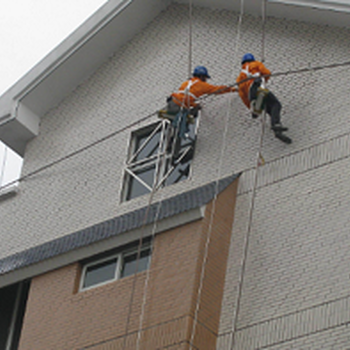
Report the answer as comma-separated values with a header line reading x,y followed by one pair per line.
x,y
326,12
77,57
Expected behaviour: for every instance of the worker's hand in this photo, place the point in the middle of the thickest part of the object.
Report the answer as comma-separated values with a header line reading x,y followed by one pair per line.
x,y
233,89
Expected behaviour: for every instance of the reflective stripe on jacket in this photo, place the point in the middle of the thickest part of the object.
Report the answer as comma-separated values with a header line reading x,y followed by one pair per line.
x,y
250,70
194,88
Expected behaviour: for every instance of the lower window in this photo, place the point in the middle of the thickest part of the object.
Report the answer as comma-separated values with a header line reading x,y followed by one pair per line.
x,y
110,268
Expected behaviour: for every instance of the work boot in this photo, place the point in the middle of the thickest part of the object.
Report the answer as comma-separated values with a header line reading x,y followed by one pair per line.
x,y
278,127
283,138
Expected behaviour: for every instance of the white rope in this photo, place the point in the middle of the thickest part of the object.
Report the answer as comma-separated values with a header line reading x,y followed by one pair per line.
x,y
264,2
251,212
190,15
211,220
187,97
246,243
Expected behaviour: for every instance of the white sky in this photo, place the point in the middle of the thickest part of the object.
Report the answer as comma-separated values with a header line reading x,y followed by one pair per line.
x,y
29,30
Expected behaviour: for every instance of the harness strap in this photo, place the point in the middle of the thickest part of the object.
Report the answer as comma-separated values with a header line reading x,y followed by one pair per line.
x,y
187,89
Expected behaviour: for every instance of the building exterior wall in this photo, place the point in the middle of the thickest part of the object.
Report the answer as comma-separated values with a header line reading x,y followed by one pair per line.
x,y
295,285
86,189
162,313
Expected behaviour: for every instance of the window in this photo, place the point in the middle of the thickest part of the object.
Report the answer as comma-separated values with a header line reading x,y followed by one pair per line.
x,y
110,268
10,168
151,162
13,300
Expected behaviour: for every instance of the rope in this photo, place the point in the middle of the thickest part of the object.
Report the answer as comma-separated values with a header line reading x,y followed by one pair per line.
x,y
263,30
140,248
190,12
251,212
246,243
109,136
156,180
211,220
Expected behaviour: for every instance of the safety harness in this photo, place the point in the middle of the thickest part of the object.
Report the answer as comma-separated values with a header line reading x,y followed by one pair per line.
x,y
258,105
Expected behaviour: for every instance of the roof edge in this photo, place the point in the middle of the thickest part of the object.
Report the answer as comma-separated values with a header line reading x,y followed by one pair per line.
x,y
128,222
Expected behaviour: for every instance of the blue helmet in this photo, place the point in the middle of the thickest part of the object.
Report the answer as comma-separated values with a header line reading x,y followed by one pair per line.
x,y
201,70
248,57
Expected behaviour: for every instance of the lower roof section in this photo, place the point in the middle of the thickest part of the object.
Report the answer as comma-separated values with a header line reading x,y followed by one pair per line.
x,y
169,213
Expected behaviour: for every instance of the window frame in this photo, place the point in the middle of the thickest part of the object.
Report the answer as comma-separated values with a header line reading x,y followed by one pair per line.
x,y
8,159
119,266
160,160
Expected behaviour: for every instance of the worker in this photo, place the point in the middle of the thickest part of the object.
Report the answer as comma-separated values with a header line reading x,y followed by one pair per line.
x,y
185,100
249,89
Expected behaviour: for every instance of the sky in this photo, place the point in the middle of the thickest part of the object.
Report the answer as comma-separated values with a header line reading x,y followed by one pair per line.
x,y
29,30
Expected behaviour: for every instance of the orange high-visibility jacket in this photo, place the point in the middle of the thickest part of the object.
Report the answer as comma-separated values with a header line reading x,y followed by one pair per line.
x,y
250,69
196,88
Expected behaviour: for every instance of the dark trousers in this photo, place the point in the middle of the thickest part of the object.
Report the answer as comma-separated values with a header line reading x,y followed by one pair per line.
x,y
272,105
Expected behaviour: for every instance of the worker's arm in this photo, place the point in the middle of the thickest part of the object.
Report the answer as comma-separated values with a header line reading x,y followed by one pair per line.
x,y
264,71
208,89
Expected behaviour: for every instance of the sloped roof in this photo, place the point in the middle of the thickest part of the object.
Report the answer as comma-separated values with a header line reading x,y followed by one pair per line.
x,y
170,207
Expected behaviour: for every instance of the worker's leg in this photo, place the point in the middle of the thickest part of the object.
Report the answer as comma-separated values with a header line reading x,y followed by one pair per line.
x,y
253,91
253,94
172,107
273,108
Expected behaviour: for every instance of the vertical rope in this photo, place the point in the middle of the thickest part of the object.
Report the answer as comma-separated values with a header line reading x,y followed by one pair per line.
x,y
190,16
190,45
252,206
246,243
211,220
263,16
160,158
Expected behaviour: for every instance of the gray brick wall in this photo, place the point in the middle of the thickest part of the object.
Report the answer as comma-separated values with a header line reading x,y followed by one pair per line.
x,y
295,290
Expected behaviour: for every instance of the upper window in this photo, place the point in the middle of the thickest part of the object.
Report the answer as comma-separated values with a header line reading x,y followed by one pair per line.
x,y
113,267
152,164
10,167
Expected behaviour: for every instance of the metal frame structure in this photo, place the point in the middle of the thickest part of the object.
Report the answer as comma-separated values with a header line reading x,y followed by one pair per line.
x,y
162,157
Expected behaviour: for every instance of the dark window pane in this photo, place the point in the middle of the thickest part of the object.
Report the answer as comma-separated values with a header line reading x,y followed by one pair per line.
x,y
136,188
102,272
150,148
180,173
129,263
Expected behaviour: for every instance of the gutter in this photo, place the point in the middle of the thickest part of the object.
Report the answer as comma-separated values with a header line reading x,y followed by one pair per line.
x,y
317,4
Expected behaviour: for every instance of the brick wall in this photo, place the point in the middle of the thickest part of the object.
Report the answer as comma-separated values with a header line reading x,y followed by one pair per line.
x,y
297,258
59,317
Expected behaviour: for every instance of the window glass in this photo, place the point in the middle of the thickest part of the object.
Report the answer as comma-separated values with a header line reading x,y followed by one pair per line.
x,y
10,165
100,272
150,148
136,188
130,262
148,153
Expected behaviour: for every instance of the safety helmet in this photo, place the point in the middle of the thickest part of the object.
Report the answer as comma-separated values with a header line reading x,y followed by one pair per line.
x,y
248,57
201,70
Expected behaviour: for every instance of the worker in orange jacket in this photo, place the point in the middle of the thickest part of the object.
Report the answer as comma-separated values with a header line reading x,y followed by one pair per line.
x,y
184,103
248,91
192,89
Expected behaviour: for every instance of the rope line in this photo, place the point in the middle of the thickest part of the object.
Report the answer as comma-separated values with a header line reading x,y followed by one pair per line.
x,y
237,304
247,238
190,15
154,190
213,208
139,252
107,137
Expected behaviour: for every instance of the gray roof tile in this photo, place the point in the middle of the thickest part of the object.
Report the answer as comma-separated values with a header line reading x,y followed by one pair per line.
x,y
120,224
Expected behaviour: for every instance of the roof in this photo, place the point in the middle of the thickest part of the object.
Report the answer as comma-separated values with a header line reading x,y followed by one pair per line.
x,y
103,34
121,224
